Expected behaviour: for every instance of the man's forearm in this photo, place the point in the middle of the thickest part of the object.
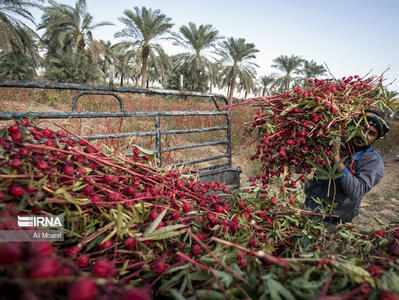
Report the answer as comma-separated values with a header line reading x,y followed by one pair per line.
x,y
341,166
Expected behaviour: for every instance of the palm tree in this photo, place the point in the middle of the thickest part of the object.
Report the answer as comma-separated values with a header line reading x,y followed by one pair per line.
x,y
391,98
63,23
197,40
21,62
144,26
290,66
17,67
312,70
11,27
69,66
247,83
236,57
215,75
106,55
267,83
162,66
124,62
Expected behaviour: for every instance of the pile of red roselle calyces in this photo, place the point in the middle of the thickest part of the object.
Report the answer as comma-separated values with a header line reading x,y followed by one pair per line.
x,y
134,232
296,129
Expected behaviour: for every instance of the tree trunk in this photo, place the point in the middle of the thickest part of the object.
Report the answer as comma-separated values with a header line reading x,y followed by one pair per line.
x,y
111,75
136,78
105,77
246,94
81,45
287,86
146,53
232,84
181,82
122,79
232,91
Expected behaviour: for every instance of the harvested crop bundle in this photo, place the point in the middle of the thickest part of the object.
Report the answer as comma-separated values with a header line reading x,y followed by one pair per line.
x,y
296,129
132,231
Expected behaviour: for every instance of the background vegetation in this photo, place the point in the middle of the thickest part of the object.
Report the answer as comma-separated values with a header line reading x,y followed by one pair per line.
x,y
68,52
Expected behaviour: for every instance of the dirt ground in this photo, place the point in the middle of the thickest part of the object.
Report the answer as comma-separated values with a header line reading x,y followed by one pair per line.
x,y
382,201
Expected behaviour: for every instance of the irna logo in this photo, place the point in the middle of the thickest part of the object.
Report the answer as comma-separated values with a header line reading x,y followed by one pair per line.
x,y
40,221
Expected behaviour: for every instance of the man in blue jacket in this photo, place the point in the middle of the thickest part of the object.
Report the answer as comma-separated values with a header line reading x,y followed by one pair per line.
x,y
359,173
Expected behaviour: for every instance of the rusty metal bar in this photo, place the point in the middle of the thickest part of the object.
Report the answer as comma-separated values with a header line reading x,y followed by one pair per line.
x,y
192,162
147,133
215,167
89,87
118,135
205,129
75,99
158,146
205,144
228,125
88,114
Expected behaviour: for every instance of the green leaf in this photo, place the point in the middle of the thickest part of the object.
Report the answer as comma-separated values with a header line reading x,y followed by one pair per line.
x,y
119,219
363,137
325,158
167,229
289,108
144,151
63,191
123,270
94,243
173,280
164,233
155,223
338,163
323,177
353,133
276,289
225,278
183,286
110,235
189,282
209,294
318,168
378,221
178,268
357,274
344,234
293,220
176,295
126,229
200,276
389,281
162,236
269,249
342,283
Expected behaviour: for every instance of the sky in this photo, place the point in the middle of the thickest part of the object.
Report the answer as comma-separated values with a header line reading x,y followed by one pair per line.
x,y
352,37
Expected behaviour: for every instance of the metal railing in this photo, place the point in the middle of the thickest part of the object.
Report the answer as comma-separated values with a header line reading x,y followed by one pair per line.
x,y
157,132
